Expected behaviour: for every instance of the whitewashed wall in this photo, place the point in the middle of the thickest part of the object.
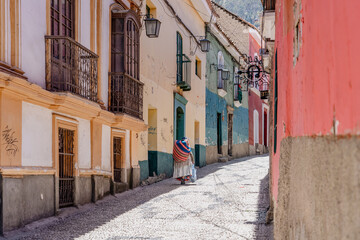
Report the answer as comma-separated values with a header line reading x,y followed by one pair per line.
x,y
33,31
105,148
105,49
84,36
127,149
36,136
84,138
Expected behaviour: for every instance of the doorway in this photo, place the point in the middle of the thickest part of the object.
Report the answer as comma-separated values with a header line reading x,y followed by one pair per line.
x,y
152,141
219,140
118,153
66,167
230,134
180,123
256,127
265,129
197,142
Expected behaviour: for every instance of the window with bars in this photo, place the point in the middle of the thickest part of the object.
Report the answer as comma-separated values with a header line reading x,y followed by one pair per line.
x,y
62,18
125,93
125,45
179,53
66,167
117,158
183,63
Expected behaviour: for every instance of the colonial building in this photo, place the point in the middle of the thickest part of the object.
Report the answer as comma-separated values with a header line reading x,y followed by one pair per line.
x,y
258,102
173,71
227,117
71,100
315,154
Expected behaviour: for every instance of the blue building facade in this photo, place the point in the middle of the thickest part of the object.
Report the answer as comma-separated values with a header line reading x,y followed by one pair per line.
x,y
227,117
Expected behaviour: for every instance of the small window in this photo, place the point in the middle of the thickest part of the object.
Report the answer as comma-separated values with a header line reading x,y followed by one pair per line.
x,y
63,18
179,55
198,67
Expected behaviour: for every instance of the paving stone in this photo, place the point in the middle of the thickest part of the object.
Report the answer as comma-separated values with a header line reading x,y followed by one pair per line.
x,y
229,201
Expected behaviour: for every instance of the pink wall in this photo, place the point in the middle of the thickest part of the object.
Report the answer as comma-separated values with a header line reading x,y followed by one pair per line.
x,y
255,103
322,86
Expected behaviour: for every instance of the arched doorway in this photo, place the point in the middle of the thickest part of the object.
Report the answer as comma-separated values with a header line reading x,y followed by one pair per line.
x,y
180,123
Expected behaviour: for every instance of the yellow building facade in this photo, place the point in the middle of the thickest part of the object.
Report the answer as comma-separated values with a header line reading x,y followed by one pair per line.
x,y
71,100
173,72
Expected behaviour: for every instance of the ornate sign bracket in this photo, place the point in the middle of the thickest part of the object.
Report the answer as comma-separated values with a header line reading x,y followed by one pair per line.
x,y
253,75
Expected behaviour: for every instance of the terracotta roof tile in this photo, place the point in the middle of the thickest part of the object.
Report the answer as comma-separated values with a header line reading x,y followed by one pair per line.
x,y
234,28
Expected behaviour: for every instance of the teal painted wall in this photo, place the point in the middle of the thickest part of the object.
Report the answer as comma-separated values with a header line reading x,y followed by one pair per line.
x,y
211,70
165,164
216,104
179,101
160,162
200,155
240,125
144,169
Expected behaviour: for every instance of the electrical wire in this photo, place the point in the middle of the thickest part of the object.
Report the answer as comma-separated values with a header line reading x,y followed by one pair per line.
x,y
172,16
197,10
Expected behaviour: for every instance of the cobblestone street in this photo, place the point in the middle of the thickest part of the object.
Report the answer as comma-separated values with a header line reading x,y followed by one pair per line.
x,y
229,201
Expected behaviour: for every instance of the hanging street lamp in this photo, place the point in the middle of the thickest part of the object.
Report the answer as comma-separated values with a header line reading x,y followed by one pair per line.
x,y
205,45
152,26
225,74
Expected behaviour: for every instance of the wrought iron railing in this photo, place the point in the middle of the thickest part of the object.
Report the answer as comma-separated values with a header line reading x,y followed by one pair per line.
x,y
70,67
183,75
66,167
117,175
125,95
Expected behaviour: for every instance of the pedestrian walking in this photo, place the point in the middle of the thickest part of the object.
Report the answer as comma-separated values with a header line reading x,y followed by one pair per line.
x,y
183,160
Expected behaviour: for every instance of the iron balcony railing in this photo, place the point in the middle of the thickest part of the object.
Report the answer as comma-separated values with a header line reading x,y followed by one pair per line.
x,y
183,75
70,67
125,95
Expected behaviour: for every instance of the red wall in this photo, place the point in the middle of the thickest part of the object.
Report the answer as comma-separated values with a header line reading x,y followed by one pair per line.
x,y
322,86
255,103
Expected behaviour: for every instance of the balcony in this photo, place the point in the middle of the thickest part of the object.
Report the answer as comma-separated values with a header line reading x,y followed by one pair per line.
x,y
183,75
70,67
125,95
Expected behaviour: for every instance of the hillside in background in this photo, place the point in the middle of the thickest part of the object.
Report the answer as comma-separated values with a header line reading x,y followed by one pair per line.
x,y
248,10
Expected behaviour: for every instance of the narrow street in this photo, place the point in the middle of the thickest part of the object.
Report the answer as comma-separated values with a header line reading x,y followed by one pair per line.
x,y
229,201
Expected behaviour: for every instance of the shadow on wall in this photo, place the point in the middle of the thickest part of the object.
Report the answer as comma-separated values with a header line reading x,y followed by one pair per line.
x,y
263,231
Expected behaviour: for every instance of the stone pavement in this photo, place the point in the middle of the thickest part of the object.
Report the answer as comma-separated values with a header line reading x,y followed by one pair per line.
x,y
229,201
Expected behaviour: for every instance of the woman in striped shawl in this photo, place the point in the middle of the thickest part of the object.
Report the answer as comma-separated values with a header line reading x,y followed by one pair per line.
x,y
183,160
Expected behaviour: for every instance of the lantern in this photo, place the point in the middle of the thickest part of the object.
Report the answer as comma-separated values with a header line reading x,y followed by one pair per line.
x,y
225,74
152,26
205,45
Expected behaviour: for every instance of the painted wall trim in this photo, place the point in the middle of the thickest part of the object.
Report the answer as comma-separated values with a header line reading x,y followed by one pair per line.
x,y
180,98
67,103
